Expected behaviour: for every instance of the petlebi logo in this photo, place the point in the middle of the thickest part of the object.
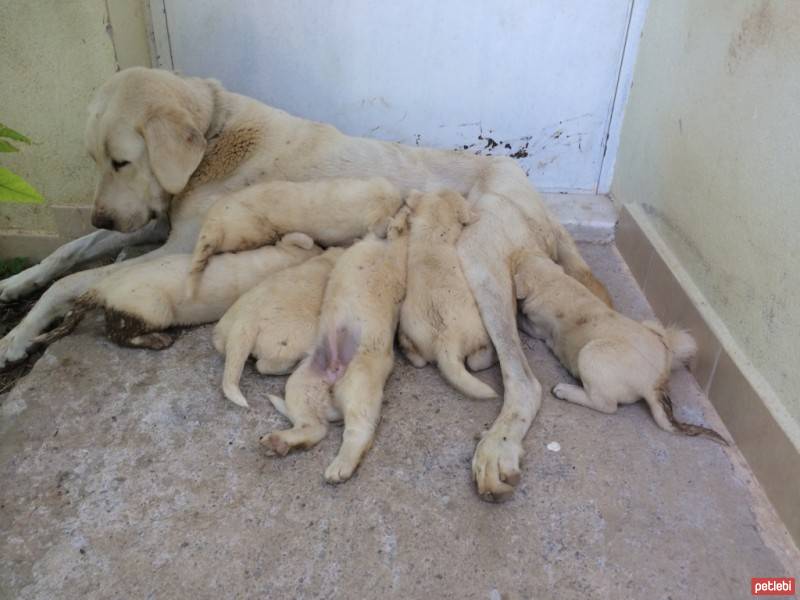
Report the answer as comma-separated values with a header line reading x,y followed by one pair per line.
x,y
772,586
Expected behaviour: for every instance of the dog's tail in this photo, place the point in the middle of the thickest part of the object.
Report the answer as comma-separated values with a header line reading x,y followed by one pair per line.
x,y
240,342
570,259
208,243
661,407
74,316
680,343
334,352
452,367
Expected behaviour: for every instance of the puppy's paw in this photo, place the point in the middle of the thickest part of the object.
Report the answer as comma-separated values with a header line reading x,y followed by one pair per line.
x,y
275,444
339,470
495,467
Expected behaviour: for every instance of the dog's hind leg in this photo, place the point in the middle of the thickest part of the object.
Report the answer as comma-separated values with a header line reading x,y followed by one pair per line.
x,y
495,465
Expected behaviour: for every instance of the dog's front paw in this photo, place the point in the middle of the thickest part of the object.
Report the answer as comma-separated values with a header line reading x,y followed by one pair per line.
x,y
339,470
16,287
13,348
495,467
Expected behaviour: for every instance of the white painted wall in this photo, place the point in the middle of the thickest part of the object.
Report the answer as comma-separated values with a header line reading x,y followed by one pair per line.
x,y
538,75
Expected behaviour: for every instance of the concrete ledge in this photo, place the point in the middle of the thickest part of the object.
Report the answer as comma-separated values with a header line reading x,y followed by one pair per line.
x,y
767,436
588,218
71,222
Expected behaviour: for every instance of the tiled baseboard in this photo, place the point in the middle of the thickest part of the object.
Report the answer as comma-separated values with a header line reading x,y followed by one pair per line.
x,y
764,432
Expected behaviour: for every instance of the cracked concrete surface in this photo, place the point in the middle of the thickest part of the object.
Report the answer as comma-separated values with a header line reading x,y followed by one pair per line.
x,y
125,474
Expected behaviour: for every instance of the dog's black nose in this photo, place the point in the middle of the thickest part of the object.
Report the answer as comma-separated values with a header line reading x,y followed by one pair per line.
x,y
102,221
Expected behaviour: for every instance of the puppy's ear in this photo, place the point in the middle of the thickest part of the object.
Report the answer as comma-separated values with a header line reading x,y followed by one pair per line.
x,y
301,240
413,199
521,287
466,214
398,225
175,147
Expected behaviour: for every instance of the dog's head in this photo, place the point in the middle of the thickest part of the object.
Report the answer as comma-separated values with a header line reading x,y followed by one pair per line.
x,y
146,134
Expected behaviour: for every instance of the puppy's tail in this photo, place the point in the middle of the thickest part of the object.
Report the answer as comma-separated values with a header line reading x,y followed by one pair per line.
x,y
83,305
661,408
452,367
240,342
680,343
208,243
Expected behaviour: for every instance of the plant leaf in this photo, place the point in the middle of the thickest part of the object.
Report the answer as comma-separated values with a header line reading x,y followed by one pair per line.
x,y
9,133
6,147
14,188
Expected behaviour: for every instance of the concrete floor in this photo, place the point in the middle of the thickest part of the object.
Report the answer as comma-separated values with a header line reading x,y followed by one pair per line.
x,y
124,474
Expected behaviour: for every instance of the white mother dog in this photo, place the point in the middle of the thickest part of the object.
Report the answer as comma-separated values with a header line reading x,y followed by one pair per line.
x,y
166,146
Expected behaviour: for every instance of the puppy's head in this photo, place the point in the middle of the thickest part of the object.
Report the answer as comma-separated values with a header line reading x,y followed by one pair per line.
x,y
446,207
146,135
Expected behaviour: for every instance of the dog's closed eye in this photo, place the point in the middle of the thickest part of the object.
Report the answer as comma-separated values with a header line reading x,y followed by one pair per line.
x,y
118,164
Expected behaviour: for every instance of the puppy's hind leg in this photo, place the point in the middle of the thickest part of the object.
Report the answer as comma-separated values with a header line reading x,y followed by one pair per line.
x,y
360,394
603,387
578,395
307,397
410,351
482,358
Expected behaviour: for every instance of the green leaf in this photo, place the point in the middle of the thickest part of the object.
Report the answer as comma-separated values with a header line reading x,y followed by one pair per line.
x,y
6,147
14,188
9,133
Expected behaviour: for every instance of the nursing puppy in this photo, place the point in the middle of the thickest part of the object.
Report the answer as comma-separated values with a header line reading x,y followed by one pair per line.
x,y
618,360
332,211
276,321
142,300
345,374
439,320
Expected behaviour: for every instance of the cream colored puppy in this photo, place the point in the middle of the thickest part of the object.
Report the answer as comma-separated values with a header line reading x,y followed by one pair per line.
x,y
142,300
439,320
354,356
332,211
618,360
276,321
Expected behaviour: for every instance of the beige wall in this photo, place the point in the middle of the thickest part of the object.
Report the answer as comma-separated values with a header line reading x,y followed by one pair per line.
x,y
55,53
710,149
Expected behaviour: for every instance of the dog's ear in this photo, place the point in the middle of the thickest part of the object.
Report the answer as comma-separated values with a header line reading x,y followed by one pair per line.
x,y
413,199
175,147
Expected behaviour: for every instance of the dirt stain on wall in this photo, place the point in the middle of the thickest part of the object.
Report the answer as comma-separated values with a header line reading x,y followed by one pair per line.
x,y
755,32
